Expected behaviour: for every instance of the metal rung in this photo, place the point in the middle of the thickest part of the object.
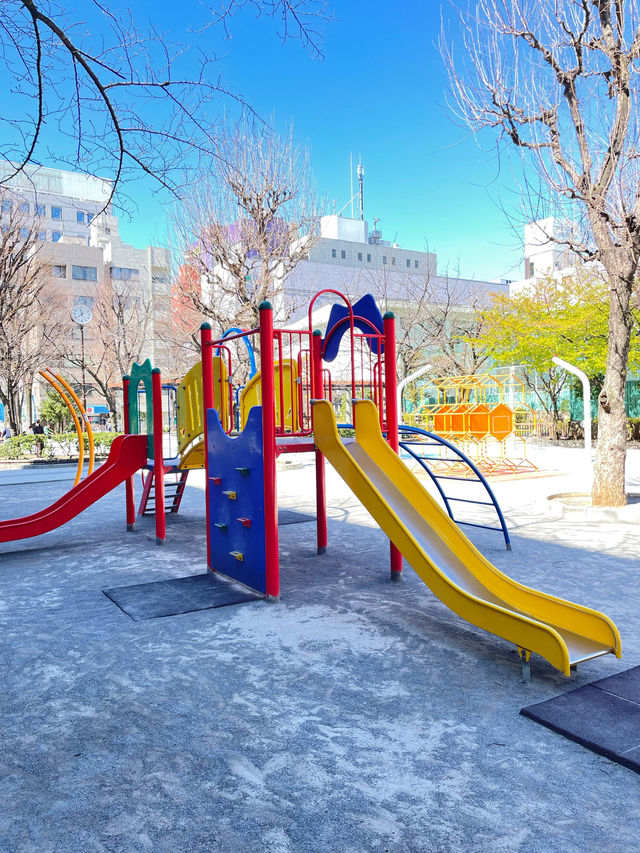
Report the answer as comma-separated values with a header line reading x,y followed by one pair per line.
x,y
482,526
458,479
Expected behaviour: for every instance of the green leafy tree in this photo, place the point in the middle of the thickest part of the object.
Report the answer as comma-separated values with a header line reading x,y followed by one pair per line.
x,y
568,318
557,82
53,411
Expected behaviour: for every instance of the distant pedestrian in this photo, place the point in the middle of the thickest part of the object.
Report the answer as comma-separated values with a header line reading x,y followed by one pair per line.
x,y
6,432
38,430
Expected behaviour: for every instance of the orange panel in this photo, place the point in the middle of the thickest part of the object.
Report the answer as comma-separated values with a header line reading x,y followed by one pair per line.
x,y
501,421
479,421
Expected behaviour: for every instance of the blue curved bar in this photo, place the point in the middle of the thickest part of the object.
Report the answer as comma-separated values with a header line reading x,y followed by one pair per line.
x,y
436,439
234,330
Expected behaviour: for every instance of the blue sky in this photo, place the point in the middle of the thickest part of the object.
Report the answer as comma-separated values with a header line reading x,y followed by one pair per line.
x,y
380,91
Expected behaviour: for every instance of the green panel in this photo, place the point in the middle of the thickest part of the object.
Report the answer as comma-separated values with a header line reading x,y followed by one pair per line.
x,y
631,400
141,373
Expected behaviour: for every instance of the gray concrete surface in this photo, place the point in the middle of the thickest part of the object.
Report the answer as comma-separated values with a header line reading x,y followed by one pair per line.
x,y
354,715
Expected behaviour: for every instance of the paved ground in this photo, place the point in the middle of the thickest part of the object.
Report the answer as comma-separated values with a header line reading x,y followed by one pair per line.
x,y
355,715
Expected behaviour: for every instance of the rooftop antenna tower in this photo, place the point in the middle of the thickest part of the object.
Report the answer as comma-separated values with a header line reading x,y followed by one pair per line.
x,y
361,183
359,192
351,178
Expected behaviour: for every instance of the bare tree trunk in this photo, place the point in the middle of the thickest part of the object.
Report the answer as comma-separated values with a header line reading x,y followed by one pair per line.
x,y
611,450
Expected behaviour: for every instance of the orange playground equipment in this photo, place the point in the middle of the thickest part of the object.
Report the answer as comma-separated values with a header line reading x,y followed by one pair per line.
x,y
485,414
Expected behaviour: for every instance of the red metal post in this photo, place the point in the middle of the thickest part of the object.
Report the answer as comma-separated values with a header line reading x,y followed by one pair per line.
x,y
317,392
130,499
207,403
158,454
391,407
267,388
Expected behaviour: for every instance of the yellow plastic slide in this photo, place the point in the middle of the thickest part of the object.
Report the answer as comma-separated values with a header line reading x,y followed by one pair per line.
x,y
453,569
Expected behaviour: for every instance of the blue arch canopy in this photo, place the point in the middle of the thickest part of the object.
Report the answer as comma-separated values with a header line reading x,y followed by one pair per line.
x,y
366,317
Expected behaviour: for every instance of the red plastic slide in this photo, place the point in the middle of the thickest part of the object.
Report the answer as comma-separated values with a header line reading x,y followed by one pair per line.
x,y
127,455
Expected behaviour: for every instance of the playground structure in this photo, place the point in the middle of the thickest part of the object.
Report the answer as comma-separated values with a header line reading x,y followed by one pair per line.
x,y
485,414
237,428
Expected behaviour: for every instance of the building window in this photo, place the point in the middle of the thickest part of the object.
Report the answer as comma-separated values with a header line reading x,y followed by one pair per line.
x,y
24,207
6,207
408,262
24,233
84,273
84,300
384,259
124,273
89,217
162,277
56,235
368,258
41,210
333,253
531,269
59,271
416,264
80,216
359,256
393,262
42,235
343,254
56,213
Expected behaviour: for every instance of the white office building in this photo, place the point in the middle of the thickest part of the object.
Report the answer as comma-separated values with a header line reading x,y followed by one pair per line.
x,y
349,258
82,243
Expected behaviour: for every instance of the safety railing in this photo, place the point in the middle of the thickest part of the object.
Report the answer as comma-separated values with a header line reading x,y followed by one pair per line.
x,y
415,442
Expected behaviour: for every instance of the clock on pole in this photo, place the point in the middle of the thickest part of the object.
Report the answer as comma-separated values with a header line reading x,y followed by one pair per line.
x,y
81,314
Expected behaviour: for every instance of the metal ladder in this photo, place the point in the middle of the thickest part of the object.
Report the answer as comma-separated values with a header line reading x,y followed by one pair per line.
x,y
173,492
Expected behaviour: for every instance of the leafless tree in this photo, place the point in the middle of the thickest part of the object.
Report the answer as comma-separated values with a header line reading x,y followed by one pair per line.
x,y
112,100
558,79
118,334
25,306
438,318
250,220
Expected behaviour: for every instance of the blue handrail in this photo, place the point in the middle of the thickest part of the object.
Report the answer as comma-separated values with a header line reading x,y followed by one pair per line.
x,y
442,442
437,440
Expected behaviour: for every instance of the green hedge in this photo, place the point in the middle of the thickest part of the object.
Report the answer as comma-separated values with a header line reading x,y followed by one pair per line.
x,y
57,445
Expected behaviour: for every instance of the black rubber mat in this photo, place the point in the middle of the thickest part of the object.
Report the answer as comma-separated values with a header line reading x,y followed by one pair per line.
x,y
290,516
604,716
178,595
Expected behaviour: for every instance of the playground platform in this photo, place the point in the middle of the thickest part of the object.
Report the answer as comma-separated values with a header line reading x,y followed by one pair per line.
x,y
354,715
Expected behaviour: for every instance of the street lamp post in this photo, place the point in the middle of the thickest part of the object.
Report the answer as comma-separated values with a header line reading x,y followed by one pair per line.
x,y
82,315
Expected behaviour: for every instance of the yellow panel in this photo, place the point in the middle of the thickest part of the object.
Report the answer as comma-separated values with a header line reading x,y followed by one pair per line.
x,y
190,408
443,557
193,458
250,396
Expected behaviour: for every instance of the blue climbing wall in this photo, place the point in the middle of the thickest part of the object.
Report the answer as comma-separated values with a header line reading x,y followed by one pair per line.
x,y
236,501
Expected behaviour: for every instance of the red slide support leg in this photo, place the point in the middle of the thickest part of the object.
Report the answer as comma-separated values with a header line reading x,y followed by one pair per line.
x,y
391,406
130,496
318,393
158,467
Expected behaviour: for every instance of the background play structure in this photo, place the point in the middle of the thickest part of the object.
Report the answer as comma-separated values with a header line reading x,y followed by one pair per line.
x,y
235,415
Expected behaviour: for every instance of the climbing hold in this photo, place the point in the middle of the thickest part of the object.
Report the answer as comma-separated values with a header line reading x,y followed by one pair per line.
x,y
230,494
221,527
244,471
238,555
217,481
245,522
